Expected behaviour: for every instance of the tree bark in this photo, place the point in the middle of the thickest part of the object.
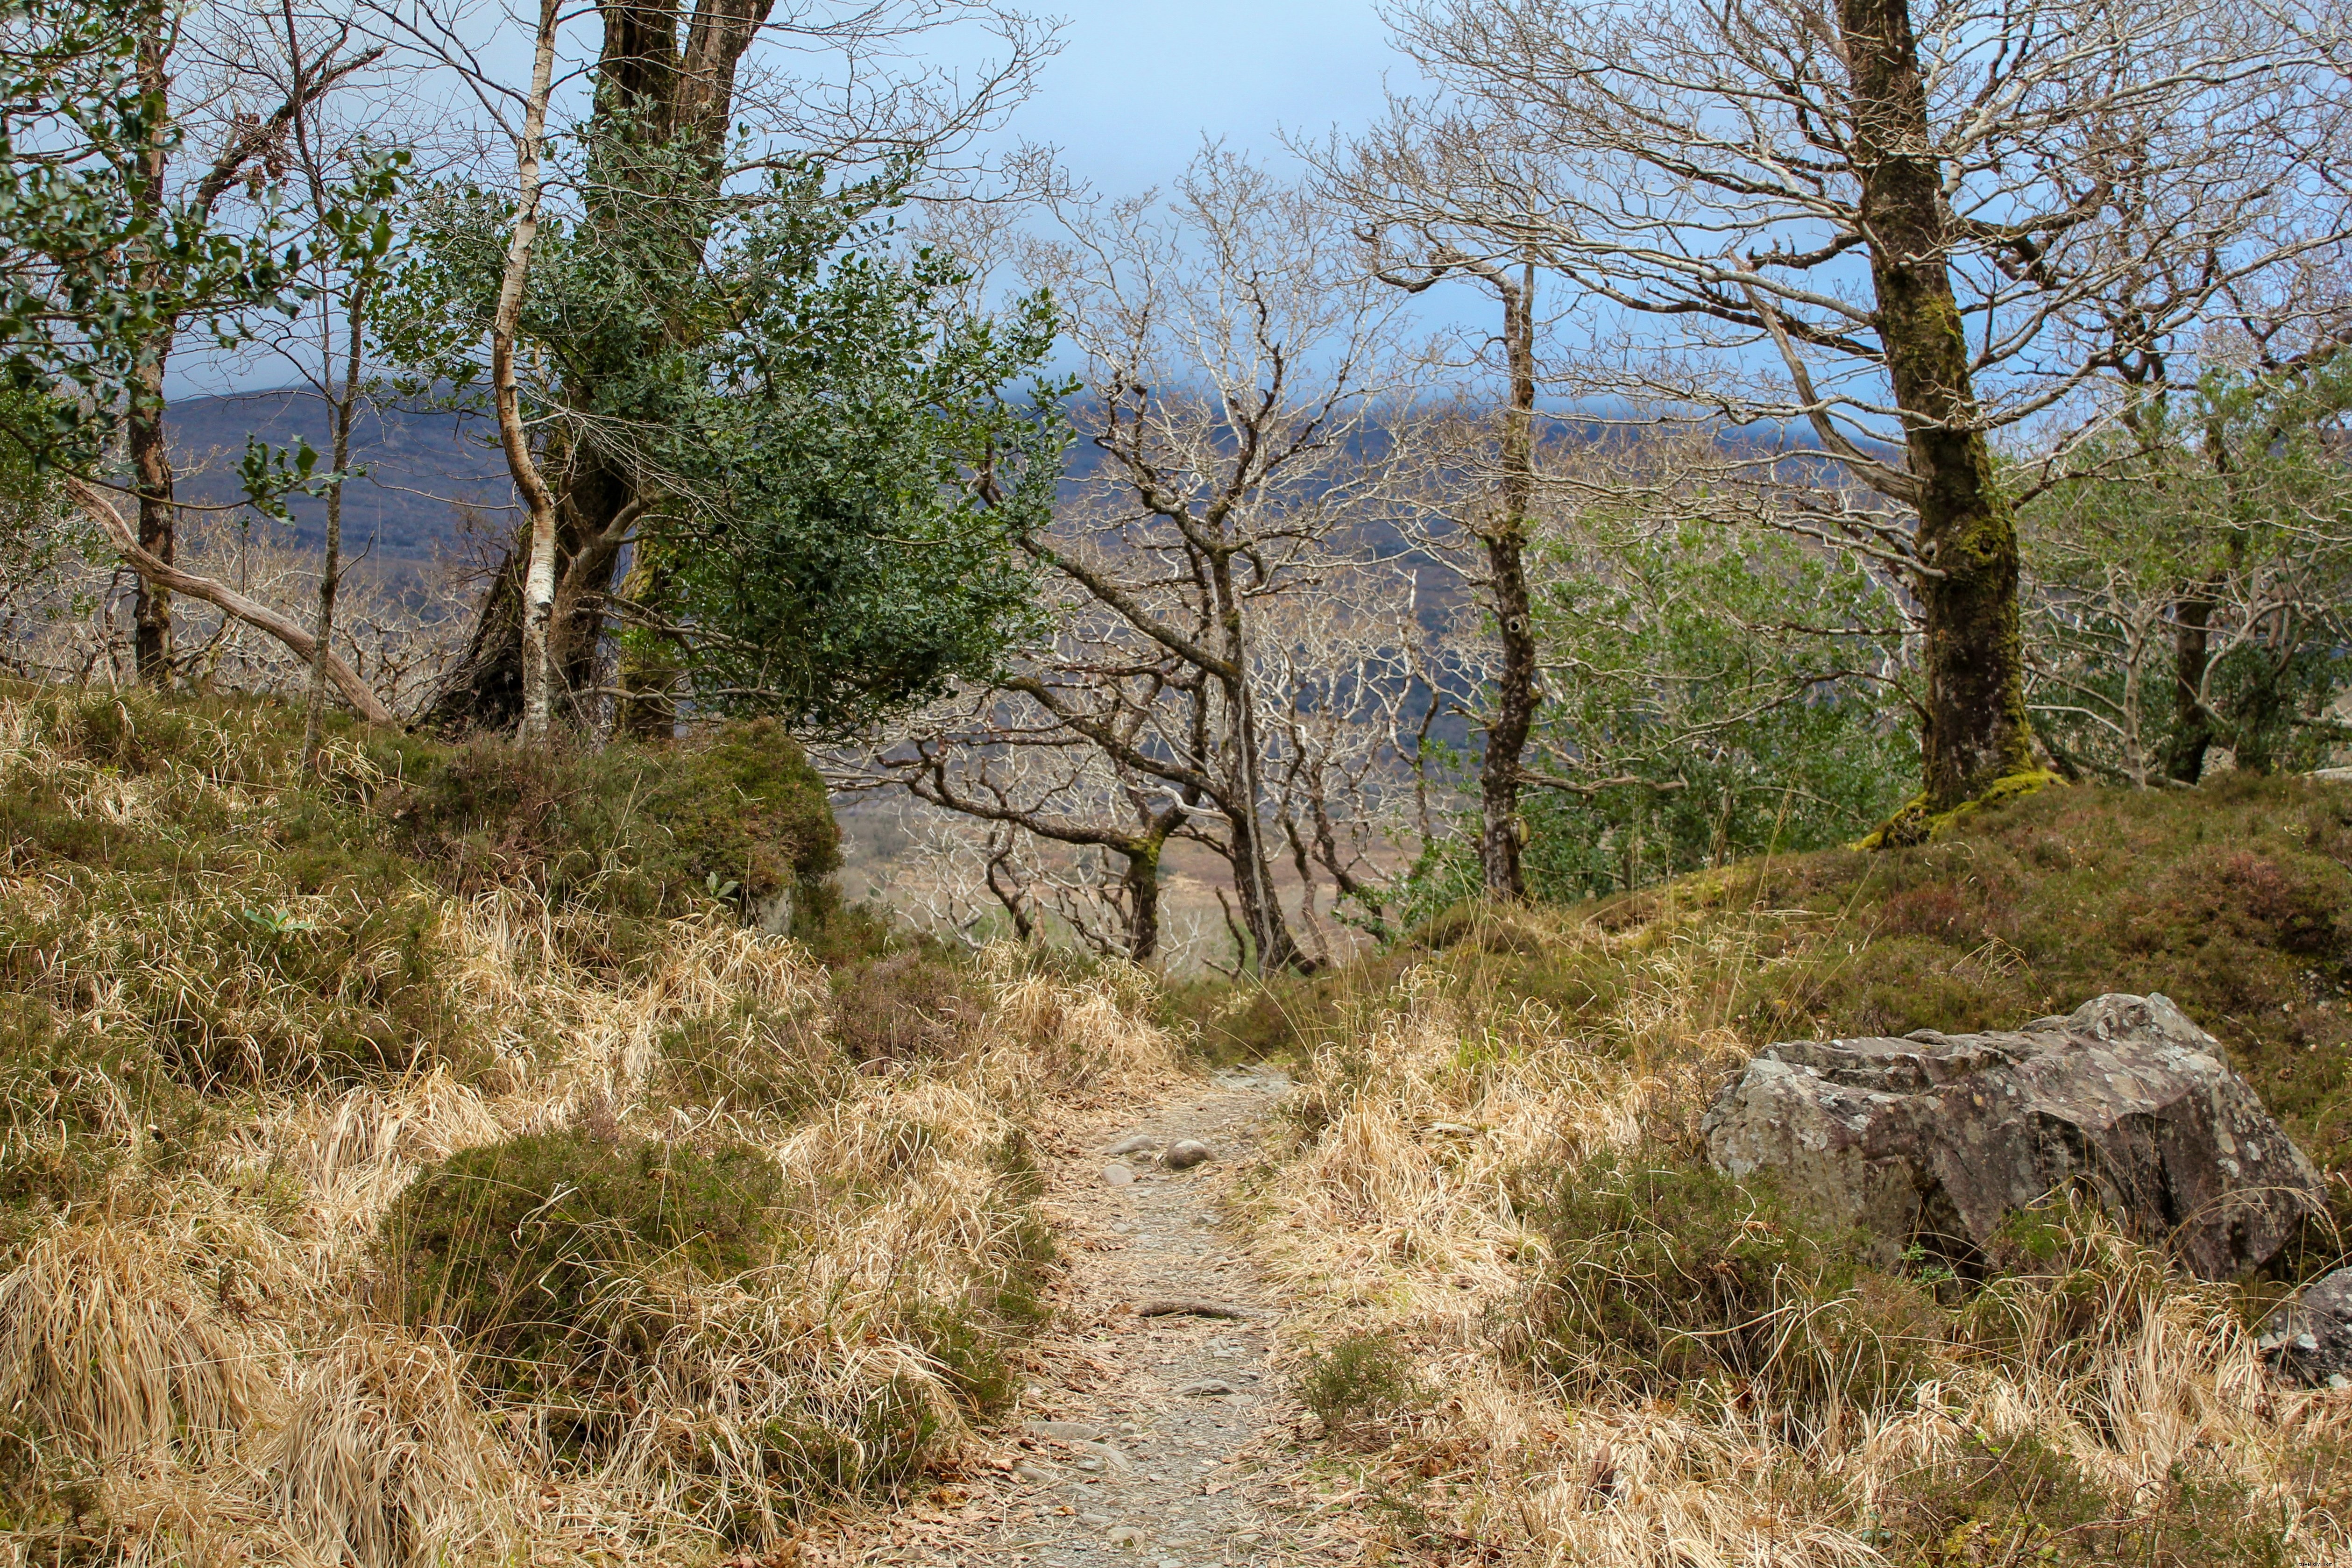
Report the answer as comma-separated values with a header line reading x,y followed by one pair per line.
x,y
331,568
145,430
538,502
2192,724
1261,906
1976,729
1500,832
662,80
1141,876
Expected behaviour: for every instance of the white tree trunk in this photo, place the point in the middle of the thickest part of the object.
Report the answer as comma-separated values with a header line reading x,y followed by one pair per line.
x,y
538,502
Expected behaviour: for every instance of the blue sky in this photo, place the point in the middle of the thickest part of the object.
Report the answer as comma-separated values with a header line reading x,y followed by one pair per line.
x,y
1138,84
1135,89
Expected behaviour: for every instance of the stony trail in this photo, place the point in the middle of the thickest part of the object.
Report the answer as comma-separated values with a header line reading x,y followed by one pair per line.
x,y
1163,1441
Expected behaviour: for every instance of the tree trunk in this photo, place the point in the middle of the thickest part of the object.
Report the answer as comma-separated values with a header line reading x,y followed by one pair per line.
x,y
2192,725
1142,877
149,440
1506,544
538,593
330,574
648,666
150,467
662,82
1976,730
330,569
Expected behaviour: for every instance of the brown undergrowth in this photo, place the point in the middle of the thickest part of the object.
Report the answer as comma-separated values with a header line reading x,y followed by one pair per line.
x,y
287,1096
1536,1328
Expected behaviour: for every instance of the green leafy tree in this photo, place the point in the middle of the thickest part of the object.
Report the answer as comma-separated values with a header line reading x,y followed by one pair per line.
x,y
824,470
708,326
2189,582
1711,697
111,254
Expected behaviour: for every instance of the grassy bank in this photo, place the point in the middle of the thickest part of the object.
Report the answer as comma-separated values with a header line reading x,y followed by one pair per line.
x,y
426,1155
1535,1327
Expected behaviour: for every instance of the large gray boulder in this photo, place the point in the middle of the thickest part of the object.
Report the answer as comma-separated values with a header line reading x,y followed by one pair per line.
x,y
2309,1339
1938,1139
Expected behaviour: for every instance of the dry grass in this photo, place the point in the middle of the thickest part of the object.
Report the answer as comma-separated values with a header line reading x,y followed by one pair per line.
x,y
2097,1406
197,1361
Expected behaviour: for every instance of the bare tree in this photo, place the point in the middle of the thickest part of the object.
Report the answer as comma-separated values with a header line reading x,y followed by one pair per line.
x,y
1890,224
237,142
1226,647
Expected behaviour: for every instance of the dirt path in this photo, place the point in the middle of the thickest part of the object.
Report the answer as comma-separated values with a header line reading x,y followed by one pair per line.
x,y
1163,1441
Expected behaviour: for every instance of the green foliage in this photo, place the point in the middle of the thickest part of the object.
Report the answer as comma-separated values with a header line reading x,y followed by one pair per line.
x,y
1738,686
526,1249
2221,516
98,268
1667,1273
817,422
1358,1382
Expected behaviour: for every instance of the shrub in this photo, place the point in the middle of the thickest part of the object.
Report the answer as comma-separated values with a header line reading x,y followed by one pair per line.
x,y
75,1107
1667,1275
526,1250
748,1059
1360,1382
901,1007
2020,1503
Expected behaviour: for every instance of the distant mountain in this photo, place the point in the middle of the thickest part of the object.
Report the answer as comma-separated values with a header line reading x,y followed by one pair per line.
x,y
422,465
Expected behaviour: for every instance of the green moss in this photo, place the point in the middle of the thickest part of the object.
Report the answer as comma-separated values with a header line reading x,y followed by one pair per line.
x,y
1915,823
735,816
525,1249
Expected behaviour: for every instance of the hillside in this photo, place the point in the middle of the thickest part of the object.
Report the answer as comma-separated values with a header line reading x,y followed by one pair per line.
x,y
423,1157
431,1159
1537,1327
422,469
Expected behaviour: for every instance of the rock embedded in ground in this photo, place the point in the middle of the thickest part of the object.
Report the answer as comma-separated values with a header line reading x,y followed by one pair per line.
x,y
1101,1453
1185,1153
1066,1431
1203,1387
2309,1339
1134,1144
1941,1138
1117,1175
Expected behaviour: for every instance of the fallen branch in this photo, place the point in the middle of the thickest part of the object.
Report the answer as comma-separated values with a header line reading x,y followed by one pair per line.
x,y
229,601
1190,1306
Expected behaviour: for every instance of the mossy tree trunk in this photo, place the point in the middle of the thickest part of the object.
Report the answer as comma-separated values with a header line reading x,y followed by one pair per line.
x,y
2192,723
1506,546
1976,731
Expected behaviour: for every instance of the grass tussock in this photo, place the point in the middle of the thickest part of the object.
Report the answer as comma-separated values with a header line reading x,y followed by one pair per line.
x,y
1536,1328
377,1189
